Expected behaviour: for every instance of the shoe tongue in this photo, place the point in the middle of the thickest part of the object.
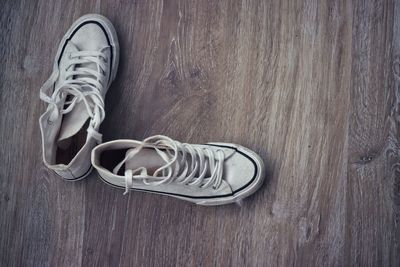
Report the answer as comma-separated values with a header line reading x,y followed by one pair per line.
x,y
71,47
151,161
147,158
74,120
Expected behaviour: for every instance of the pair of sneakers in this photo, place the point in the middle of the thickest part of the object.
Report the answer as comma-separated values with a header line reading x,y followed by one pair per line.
x,y
85,65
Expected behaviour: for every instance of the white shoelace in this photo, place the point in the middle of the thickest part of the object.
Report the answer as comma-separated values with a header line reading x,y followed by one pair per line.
x,y
177,168
83,84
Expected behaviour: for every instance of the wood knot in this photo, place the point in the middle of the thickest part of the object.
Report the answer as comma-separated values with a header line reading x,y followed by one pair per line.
x,y
6,198
194,72
31,65
366,159
308,228
172,77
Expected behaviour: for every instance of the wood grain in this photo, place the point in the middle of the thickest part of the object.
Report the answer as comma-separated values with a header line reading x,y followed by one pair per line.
x,y
308,84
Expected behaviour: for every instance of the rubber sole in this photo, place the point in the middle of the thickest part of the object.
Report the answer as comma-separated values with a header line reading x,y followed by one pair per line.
x,y
86,174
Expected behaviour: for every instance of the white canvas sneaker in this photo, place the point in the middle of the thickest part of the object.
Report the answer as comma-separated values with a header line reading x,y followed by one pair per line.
x,y
85,65
210,174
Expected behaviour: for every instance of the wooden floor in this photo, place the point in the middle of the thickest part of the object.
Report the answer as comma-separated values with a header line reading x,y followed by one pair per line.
x,y
307,84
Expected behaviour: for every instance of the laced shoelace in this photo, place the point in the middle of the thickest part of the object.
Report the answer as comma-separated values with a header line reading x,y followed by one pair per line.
x,y
177,168
83,84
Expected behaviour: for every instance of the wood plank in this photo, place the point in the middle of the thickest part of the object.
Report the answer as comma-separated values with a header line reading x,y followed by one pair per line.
x,y
307,84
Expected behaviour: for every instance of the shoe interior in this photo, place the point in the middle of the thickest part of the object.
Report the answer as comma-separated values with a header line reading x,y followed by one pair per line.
x,y
110,158
147,158
68,148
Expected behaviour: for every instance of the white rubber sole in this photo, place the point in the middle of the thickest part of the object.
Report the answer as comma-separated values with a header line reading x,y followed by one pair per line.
x,y
77,179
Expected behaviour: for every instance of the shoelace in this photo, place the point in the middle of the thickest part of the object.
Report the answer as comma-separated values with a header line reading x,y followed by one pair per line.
x,y
83,84
177,168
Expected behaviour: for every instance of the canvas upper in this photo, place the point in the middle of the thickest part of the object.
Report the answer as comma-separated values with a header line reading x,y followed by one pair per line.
x,y
85,65
225,173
